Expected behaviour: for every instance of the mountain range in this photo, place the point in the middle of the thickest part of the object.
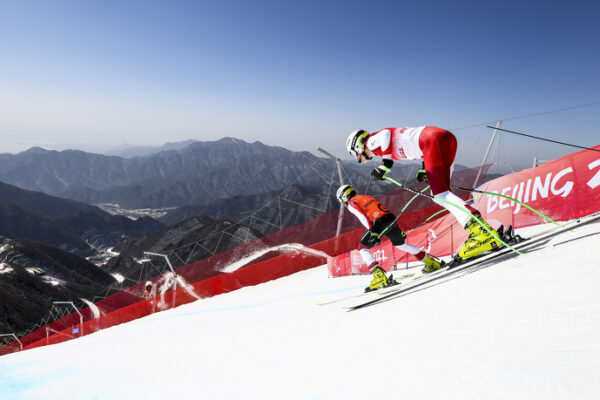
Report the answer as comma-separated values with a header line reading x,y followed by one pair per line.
x,y
131,151
198,174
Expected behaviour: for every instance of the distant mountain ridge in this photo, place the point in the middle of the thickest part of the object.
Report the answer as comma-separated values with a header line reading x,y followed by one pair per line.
x,y
130,151
200,173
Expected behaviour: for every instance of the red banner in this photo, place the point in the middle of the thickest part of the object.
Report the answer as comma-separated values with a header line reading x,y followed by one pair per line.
x,y
562,189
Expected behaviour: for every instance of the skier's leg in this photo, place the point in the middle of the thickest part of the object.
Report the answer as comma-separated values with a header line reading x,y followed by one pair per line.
x,y
380,279
461,216
431,263
397,237
367,257
439,149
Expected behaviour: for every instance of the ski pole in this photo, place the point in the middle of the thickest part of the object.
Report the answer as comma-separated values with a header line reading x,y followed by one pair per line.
x,y
401,212
511,199
427,220
490,231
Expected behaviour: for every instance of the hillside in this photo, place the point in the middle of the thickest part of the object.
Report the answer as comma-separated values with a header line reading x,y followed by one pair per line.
x,y
64,223
179,235
37,275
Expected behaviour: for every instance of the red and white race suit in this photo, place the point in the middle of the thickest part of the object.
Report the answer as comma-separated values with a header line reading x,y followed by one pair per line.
x,y
437,148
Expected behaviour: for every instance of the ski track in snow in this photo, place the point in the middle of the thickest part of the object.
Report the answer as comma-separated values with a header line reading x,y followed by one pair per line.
x,y
526,328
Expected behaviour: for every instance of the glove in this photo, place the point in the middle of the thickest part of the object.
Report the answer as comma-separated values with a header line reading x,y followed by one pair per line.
x,y
422,174
378,173
369,239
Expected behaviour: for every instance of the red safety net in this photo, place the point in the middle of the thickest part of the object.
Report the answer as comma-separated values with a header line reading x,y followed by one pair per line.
x,y
209,280
12,346
563,189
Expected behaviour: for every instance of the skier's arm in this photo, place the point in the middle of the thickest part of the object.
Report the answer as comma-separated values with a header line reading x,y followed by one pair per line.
x,y
381,139
361,217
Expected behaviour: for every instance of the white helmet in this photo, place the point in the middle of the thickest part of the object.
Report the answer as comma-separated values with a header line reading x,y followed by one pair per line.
x,y
356,142
345,193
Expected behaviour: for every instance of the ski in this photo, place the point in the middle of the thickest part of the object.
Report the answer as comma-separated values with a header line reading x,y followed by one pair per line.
x,y
418,275
381,291
535,239
338,299
507,235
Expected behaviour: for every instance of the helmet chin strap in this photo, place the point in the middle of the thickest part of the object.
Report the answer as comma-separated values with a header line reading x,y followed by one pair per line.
x,y
366,156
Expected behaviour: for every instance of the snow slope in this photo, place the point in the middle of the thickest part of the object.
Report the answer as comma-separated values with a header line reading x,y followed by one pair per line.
x,y
527,328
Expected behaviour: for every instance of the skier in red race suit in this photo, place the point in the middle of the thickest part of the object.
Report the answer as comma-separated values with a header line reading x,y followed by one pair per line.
x,y
379,221
437,148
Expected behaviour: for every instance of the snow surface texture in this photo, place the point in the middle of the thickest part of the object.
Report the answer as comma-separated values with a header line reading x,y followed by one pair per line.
x,y
526,328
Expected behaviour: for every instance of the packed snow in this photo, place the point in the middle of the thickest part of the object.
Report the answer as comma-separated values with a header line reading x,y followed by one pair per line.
x,y
525,328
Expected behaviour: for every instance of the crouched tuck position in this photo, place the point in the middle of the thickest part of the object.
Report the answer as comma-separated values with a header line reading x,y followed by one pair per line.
x,y
379,222
436,148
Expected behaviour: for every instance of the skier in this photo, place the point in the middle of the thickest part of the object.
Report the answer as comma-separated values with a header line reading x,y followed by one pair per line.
x,y
379,221
148,290
437,148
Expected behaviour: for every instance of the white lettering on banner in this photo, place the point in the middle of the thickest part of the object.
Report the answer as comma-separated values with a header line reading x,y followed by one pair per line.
x,y
492,202
526,199
379,255
538,188
503,205
356,258
337,268
567,187
595,181
518,197
522,190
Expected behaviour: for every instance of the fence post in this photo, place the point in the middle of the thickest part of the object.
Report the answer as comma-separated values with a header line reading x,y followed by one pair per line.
x,y
76,310
14,337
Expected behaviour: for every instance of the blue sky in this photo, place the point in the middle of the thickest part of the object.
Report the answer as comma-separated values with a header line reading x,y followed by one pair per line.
x,y
298,74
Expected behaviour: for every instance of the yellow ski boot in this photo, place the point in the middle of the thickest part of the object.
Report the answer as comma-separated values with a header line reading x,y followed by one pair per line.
x,y
380,279
479,241
432,264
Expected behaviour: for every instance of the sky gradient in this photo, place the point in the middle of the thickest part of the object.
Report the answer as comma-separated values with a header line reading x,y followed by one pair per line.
x,y
93,75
